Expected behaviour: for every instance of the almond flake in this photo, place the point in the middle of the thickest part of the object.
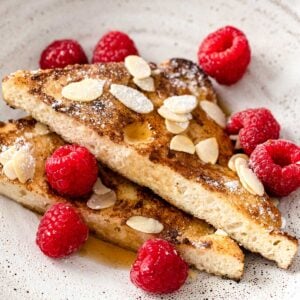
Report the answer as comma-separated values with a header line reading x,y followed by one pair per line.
x,y
208,150
24,165
183,144
233,158
181,104
214,112
85,90
238,145
167,114
99,188
146,84
176,127
221,232
132,98
102,201
250,180
7,155
137,66
9,170
146,225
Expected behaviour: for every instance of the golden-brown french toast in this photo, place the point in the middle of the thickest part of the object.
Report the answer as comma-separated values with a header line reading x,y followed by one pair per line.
x,y
208,191
195,239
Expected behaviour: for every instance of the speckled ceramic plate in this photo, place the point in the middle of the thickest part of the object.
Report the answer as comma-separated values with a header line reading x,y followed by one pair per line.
x,y
161,29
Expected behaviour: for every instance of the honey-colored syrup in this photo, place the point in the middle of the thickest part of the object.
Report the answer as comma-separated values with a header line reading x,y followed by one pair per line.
x,y
106,253
138,133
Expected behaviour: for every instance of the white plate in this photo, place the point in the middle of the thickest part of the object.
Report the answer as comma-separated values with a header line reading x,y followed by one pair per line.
x,y
161,29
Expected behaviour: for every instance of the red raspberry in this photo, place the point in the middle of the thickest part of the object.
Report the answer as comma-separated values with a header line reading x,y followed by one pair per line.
x,y
62,53
254,126
225,55
158,268
114,46
277,164
61,231
72,170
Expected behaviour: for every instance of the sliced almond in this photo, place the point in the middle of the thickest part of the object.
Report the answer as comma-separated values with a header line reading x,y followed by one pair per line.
x,y
137,66
181,104
146,225
167,114
238,145
146,84
99,188
233,158
7,155
208,150
221,232
24,165
182,143
176,127
214,112
102,201
132,98
9,170
85,90
250,181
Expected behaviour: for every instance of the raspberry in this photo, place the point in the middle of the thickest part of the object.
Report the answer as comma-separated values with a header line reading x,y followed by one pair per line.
x,y
62,53
225,55
158,268
254,126
61,231
72,170
276,164
114,46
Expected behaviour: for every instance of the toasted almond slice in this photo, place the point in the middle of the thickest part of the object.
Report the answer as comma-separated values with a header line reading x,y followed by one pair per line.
x,y
24,165
7,155
102,201
208,150
249,179
146,84
85,90
214,112
233,158
9,170
137,66
240,161
176,127
167,114
221,232
181,104
99,188
132,98
182,143
146,225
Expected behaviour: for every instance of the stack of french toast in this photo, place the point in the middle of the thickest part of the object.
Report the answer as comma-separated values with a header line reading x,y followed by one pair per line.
x,y
203,208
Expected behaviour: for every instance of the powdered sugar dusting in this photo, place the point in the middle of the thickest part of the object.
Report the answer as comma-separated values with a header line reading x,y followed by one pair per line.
x,y
232,185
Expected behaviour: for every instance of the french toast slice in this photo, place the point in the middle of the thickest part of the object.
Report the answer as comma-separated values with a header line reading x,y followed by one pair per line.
x,y
209,192
193,238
